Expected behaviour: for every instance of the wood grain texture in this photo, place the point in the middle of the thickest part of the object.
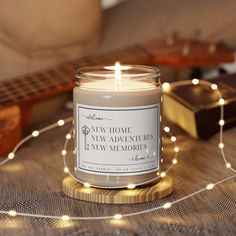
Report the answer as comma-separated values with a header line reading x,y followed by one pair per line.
x,y
10,128
74,189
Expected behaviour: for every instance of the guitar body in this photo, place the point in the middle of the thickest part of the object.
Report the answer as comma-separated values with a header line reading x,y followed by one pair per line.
x,y
10,128
14,119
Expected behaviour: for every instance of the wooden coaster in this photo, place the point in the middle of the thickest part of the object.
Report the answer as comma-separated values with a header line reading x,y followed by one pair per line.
x,y
76,190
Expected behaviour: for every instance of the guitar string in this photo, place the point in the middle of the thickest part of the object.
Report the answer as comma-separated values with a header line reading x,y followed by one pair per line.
x,y
14,96
134,52
30,88
50,81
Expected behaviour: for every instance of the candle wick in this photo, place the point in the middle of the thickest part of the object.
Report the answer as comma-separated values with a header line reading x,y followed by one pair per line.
x,y
117,71
117,75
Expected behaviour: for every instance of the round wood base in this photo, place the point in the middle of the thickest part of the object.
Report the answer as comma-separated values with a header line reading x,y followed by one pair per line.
x,y
74,189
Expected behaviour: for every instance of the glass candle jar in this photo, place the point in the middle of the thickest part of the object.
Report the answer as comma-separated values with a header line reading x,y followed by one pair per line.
x,y
117,114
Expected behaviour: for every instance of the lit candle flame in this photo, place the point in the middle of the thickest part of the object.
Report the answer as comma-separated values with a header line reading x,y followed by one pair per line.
x,y
117,68
117,75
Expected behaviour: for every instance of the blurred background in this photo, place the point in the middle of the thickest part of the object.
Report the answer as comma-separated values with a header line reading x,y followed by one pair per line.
x,y
39,34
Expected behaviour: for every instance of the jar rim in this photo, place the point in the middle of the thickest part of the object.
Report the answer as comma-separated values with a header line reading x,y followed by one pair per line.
x,y
127,72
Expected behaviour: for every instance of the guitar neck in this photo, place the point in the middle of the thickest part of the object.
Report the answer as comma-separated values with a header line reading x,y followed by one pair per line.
x,y
40,85
184,53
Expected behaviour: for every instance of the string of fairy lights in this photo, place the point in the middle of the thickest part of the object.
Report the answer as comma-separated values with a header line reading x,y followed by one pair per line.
x,y
131,185
166,88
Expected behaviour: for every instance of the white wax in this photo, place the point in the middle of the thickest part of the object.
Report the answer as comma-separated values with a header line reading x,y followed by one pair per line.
x,y
122,85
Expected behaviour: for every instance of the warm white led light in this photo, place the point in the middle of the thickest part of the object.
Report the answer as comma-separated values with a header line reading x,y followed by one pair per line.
x,y
221,101
173,138
163,174
214,87
65,217
131,186
221,122
176,149
63,152
210,186
87,185
166,87
117,216
61,122
66,170
195,81
35,133
228,165
221,145
11,155
12,213
167,205
174,161
167,129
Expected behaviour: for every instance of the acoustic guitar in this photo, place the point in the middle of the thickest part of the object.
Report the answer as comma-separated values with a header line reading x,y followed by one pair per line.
x,y
18,95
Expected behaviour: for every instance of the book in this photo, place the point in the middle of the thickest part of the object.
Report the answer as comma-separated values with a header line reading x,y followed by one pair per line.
x,y
196,109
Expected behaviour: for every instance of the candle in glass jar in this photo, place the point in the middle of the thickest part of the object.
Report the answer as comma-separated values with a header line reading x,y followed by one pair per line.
x,y
117,111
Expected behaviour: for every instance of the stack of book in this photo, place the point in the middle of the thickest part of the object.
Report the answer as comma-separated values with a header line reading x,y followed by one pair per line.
x,y
196,109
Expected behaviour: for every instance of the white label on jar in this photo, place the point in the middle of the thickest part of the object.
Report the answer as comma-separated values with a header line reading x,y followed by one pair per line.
x,y
118,140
